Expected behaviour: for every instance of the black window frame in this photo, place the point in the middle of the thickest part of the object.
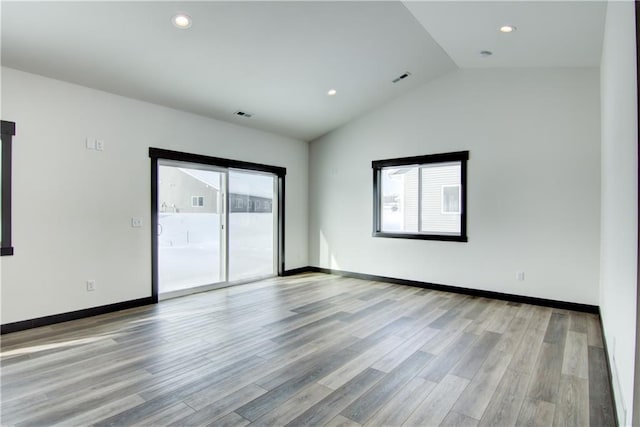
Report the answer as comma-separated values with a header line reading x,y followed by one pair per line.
x,y
8,131
378,165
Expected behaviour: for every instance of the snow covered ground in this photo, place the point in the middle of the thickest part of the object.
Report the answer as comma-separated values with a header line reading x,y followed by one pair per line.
x,y
392,220
189,248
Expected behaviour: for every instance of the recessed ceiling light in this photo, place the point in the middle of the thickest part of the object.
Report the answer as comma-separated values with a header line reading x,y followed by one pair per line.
x,y
332,92
507,29
485,53
182,21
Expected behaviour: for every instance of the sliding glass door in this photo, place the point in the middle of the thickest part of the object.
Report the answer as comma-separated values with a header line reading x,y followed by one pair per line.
x,y
252,225
191,223
215,224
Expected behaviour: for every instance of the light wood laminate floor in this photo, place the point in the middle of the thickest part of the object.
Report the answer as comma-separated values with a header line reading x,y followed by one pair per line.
x,y
312,350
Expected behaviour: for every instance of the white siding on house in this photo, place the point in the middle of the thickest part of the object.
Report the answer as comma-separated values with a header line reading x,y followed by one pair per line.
x,y
404,209
177,189
433,220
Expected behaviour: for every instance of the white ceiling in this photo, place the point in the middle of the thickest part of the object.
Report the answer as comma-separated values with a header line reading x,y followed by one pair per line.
x,y
548,33
277,60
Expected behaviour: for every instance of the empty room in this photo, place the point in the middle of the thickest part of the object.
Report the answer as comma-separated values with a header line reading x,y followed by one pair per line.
x,y
310,213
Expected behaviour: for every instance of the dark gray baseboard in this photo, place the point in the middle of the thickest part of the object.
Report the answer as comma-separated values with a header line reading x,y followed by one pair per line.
x,y
73,315
460,290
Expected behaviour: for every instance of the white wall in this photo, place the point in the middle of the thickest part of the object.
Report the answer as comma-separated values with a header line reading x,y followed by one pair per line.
x,y
72,207
533,183
619,238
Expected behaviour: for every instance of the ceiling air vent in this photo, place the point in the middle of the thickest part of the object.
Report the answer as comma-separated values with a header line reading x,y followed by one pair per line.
x,y
243,114
401,77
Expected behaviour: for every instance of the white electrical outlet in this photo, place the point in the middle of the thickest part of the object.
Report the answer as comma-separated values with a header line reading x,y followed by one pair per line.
x,y
520,276
100,144
91,285
136,222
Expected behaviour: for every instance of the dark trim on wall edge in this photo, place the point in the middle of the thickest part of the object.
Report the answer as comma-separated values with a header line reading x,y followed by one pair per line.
x,y
154,226
73,315
299,270
635,410
8,132
606,358
94,311
455,156
160,153
587,308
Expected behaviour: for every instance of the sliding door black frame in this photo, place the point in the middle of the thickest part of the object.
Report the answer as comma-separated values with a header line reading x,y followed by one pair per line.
x,y
158,154
8,131
636,396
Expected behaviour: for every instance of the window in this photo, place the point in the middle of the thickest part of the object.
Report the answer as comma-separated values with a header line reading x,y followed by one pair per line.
x,y
197,201
450,199
8,131
422,197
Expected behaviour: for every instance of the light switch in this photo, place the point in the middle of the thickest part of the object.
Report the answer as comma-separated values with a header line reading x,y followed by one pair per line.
x,y
91,143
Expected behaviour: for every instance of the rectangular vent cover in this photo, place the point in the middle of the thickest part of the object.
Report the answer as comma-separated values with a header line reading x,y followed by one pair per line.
x,y
401,77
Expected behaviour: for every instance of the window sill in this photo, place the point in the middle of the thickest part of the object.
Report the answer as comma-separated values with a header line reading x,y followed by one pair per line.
x,y
441,237
6,251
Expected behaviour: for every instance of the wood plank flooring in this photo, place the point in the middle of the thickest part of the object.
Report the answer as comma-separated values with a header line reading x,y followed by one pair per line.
x,y
312,350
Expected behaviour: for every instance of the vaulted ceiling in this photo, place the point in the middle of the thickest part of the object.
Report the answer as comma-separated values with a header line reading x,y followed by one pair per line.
x,y
278,60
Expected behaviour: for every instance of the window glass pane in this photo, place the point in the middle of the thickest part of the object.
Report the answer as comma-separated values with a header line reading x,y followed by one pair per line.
x,y
190,241
0,186
441,203
451,199
252,215
400,199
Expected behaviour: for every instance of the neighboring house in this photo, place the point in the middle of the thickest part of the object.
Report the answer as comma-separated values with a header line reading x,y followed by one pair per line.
x,y
246,203
440,211
191,191
184,191
441,203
